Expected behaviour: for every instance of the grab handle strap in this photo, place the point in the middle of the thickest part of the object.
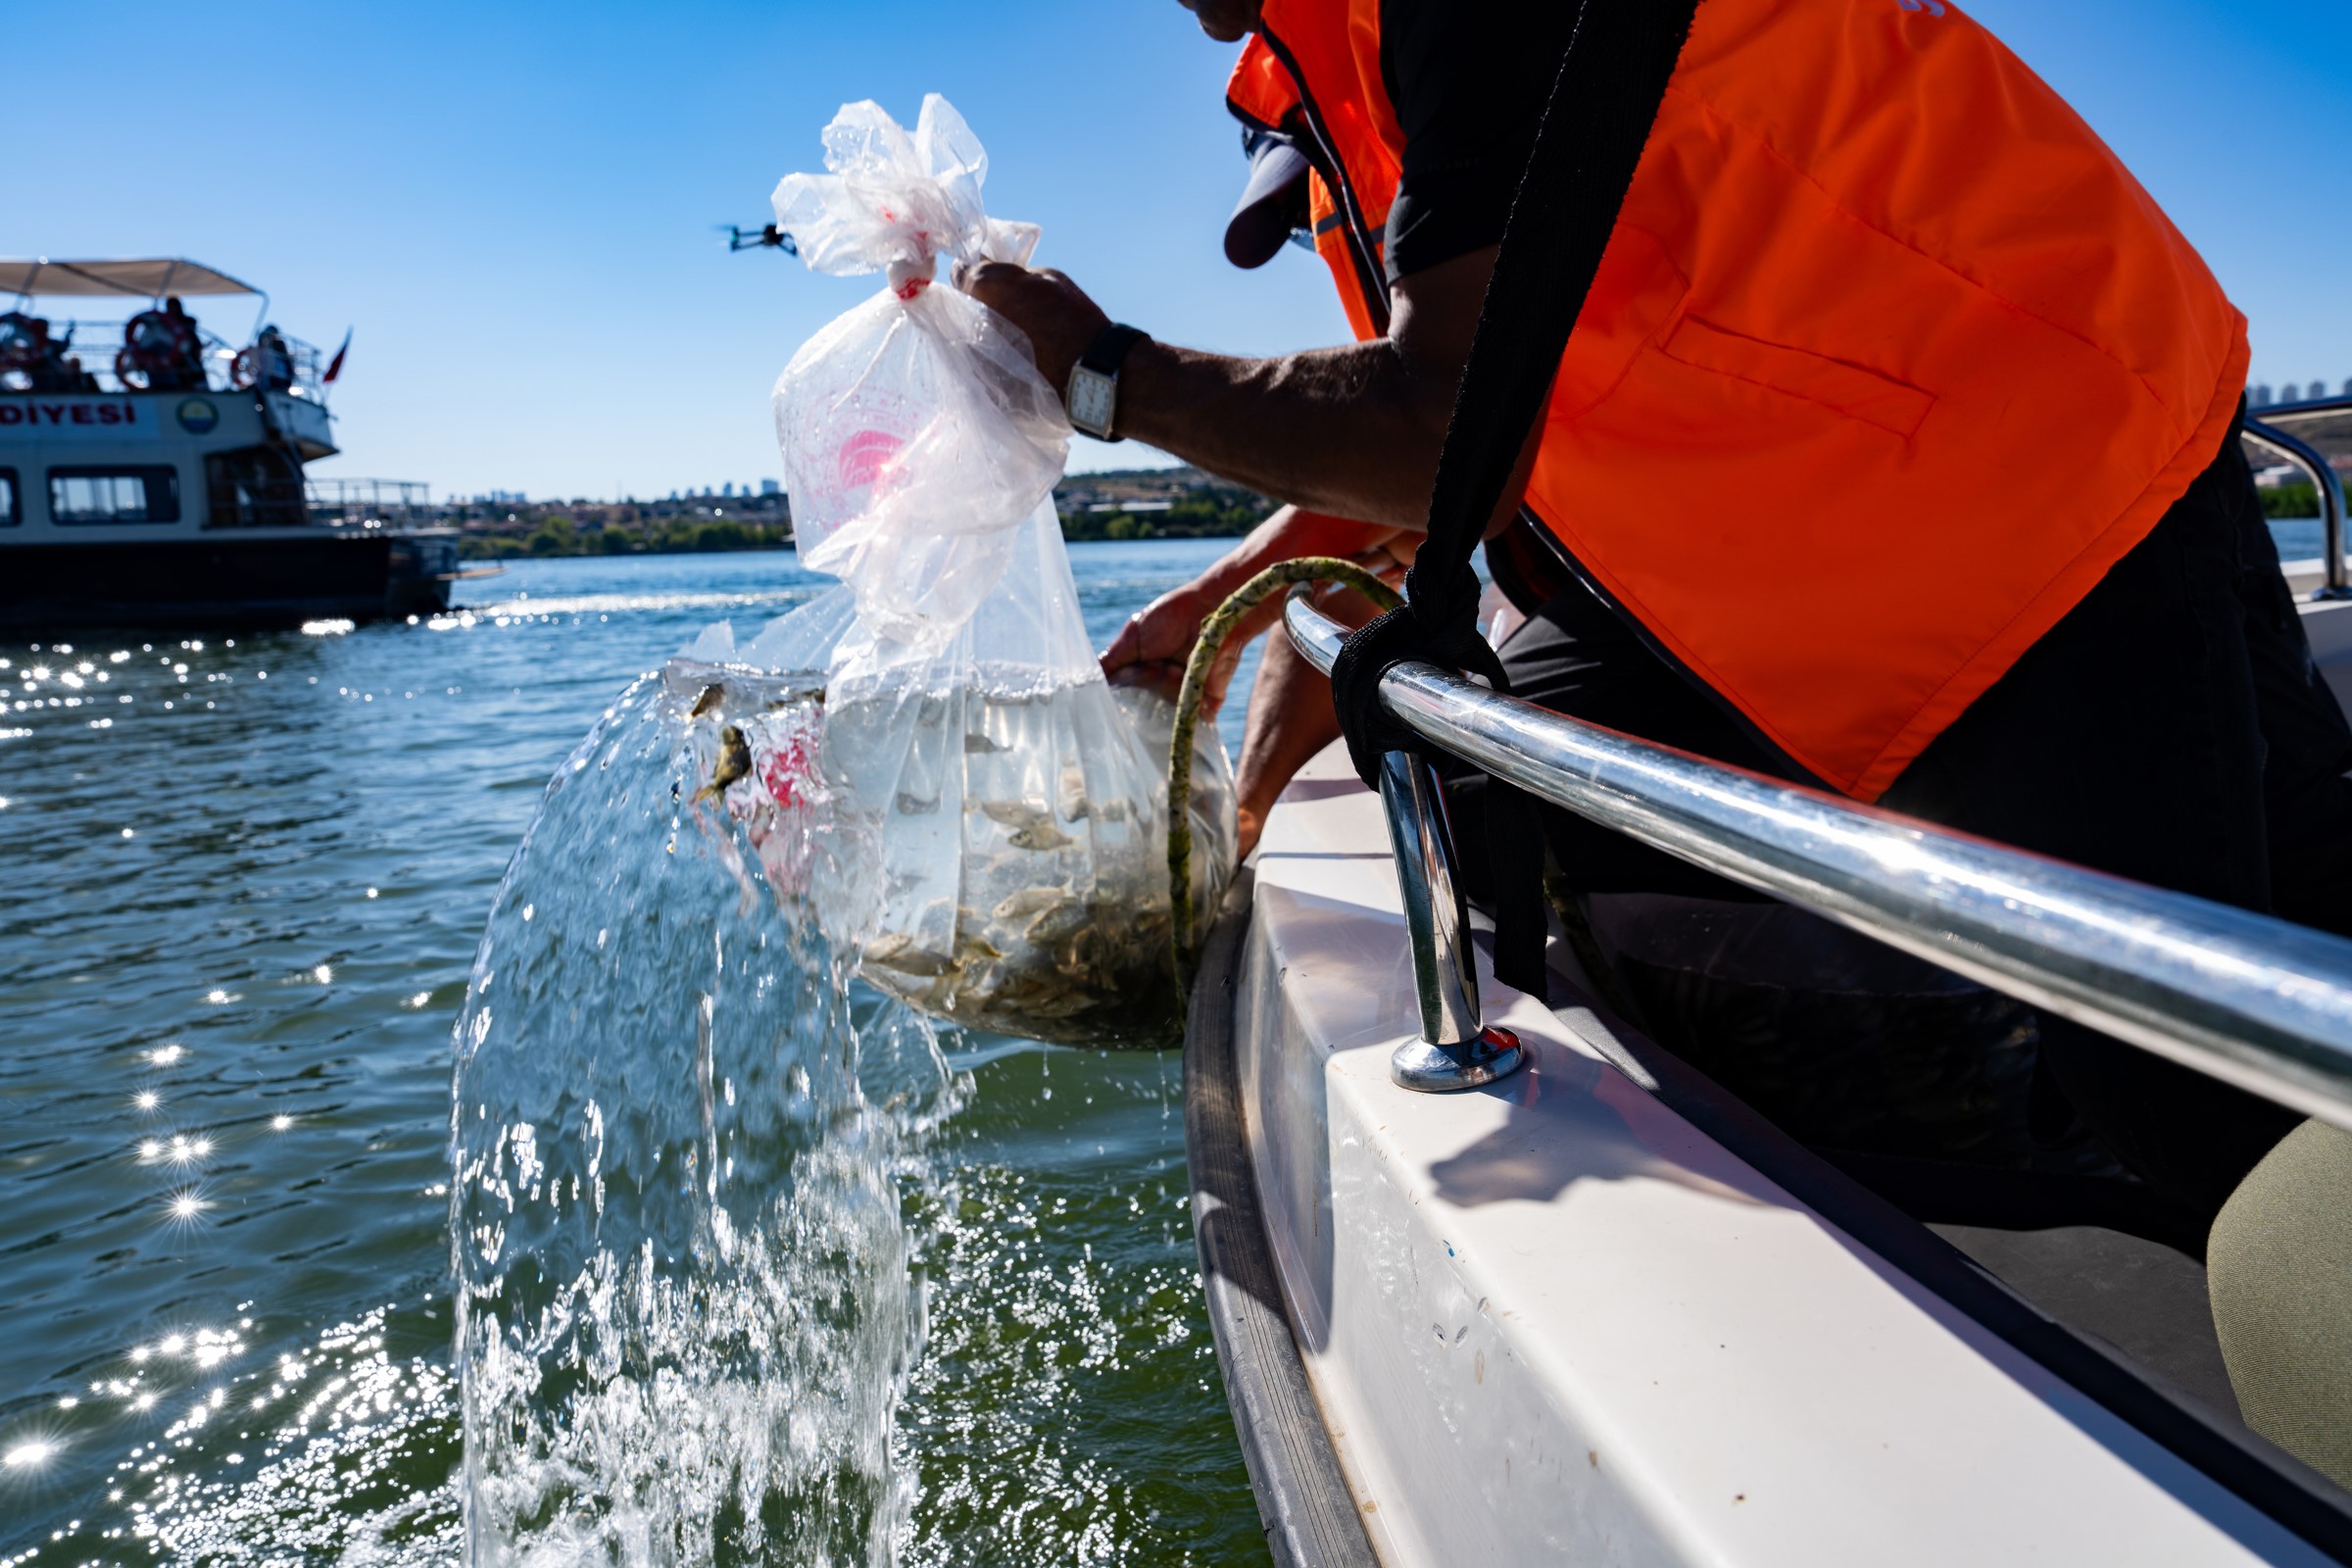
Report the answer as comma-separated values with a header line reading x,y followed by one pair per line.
x,y
1604,102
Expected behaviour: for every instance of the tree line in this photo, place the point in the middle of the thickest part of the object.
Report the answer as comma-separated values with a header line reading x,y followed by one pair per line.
x,y
1218,516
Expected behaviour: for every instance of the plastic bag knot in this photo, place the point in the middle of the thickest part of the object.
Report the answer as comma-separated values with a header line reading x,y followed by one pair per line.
x,y
911,276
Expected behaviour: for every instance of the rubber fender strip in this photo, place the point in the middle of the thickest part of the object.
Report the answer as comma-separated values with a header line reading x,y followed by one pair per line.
x,y
1303,1499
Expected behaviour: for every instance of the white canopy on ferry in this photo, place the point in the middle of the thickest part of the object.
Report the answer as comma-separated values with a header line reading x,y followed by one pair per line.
x,y
137,279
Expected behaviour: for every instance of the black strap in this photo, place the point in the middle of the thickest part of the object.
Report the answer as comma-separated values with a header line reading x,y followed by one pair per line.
x,y
1109,351
1603,103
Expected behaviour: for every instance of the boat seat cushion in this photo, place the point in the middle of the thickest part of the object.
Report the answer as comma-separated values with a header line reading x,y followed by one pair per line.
x,y
2279,1267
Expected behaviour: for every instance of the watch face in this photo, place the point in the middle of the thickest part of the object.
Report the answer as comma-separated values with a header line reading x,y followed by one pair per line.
x,y
1092,398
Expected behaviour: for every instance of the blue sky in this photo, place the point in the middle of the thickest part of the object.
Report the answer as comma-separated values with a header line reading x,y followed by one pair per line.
x,y
511,204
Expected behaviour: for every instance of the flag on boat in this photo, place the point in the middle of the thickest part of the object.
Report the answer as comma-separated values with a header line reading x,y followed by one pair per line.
x,y
334,367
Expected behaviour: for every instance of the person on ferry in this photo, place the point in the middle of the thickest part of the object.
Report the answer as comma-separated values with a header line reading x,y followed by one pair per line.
x,y
276,361
180,367
57,370
1895,451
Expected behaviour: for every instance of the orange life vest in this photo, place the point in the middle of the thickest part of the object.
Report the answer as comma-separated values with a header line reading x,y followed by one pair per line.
x,y
1889,358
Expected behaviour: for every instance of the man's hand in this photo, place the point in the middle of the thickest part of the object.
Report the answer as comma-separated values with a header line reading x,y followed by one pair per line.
x,y
1056,314
1157,643
1153,647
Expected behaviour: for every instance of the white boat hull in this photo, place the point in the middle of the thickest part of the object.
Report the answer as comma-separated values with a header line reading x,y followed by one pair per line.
x,y
1558,1319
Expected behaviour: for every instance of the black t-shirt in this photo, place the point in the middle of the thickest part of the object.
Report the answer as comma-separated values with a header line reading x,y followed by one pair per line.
x,y
1468,79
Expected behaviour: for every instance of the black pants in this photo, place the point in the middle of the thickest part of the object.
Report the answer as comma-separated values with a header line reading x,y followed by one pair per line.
x,y
2171,728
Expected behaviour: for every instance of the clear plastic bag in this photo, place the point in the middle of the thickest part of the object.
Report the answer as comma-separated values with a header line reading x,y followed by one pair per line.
x,y
969,808
916,432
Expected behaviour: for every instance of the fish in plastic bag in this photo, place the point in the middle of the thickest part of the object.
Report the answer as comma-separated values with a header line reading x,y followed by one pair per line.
x,y
974,810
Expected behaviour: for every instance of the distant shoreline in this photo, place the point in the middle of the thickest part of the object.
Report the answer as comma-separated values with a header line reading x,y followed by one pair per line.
x,y
1115,504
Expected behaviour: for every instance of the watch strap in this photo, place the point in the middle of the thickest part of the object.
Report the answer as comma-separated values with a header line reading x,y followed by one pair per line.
x,y
1108,350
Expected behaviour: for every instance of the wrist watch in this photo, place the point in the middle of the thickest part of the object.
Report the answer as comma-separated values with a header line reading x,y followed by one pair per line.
x,y
1093,394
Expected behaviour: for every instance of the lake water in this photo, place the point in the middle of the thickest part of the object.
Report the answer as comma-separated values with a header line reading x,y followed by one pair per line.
x,y
244,884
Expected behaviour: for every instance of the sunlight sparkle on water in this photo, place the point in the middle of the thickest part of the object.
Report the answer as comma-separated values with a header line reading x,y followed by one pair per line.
x,y
165,1056
25,1455
280,1122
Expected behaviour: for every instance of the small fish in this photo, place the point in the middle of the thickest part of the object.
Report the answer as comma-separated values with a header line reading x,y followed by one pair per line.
x,y
734,763
982,746
1014,813
909,804
1030,901
897,950
1058,925
1040,836
1075,806
711,698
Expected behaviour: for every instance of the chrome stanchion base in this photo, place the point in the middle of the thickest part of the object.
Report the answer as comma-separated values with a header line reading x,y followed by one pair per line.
x,y
1428,1069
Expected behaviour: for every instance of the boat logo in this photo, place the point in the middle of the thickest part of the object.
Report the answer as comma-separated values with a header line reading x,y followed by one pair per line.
x,y
198,416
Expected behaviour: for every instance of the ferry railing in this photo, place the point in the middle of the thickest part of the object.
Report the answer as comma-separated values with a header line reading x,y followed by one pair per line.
x,y
2263,428
96,343
2250,999
393,506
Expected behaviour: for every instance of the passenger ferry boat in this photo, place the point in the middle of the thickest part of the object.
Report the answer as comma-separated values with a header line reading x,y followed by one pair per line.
x,y
151,473
1593,1307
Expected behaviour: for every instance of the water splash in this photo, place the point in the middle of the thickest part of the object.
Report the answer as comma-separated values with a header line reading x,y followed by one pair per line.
x,y
681,1146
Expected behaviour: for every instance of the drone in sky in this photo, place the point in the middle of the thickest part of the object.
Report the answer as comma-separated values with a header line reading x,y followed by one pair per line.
x,y
763,239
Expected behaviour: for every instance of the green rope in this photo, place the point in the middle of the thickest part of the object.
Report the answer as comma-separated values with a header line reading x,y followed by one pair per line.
x,y
1213,632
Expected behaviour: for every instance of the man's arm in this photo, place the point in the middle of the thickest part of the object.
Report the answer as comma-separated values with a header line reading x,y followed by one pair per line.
x,y
1152,648
1350,432
1290,716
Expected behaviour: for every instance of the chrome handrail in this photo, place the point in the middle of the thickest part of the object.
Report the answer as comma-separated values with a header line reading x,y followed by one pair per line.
x,y
1457,1047
2243,998
2324,483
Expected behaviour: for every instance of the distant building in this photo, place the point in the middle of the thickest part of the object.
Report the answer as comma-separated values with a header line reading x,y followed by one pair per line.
x,y
775,487
2259,394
